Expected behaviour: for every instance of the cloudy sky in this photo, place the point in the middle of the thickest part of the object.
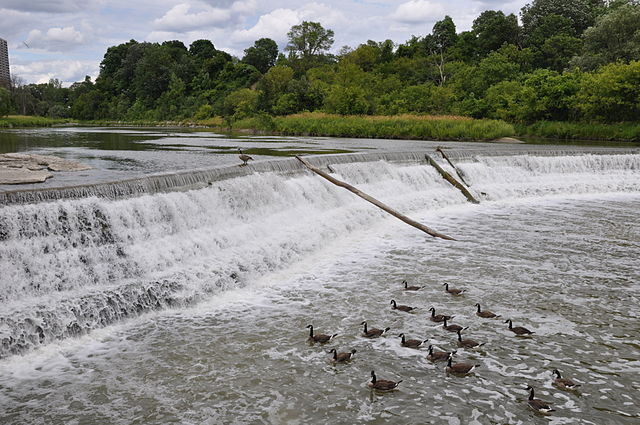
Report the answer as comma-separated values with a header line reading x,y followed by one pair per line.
x,y
66,39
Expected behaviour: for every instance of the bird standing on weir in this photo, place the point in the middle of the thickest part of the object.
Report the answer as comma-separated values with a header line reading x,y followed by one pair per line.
x,y
244,158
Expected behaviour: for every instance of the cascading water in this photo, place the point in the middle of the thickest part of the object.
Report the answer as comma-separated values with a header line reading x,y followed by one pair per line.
x,y
190,306
71,266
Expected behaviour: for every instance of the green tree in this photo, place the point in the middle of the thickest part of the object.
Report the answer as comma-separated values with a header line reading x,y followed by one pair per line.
x,y
581,13
309,39
442,37
5,102
262,55
612,93
493,28
615,36
346,101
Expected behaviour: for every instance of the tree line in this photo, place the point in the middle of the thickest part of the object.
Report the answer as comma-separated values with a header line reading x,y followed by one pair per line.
x,y
564,60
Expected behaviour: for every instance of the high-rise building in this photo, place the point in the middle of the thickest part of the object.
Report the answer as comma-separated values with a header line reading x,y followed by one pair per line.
x,y
5,76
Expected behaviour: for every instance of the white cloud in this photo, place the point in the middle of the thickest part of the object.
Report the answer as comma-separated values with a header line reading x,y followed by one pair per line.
x,y
274,25
181,18
185,17
418,11
55,39
67,71
49,6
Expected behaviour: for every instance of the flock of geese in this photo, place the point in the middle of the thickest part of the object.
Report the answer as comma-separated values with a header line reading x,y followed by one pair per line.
x,y
459,368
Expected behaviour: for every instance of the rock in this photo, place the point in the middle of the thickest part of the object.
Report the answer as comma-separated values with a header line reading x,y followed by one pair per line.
x,y
22,175
507,140
19,168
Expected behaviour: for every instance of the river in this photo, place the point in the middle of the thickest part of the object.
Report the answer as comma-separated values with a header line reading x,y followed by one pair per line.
x,y
191,306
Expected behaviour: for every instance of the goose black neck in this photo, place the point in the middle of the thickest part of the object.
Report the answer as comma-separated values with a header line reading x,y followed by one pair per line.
x,y
459,336
365,327
310,331
373,377
531,393
433,312
478,307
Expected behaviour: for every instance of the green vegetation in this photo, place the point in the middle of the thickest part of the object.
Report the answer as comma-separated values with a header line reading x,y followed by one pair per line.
x,y
572,69
628,132
17,121
381,127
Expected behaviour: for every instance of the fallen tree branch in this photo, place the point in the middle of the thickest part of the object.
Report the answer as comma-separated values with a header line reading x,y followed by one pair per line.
x,y
448,177
375,202
446,157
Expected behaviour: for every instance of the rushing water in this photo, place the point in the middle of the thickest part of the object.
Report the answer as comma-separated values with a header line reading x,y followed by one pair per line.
x,y
191,307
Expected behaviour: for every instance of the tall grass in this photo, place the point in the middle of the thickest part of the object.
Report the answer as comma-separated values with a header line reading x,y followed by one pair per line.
x,y
581,131
424,127
17,121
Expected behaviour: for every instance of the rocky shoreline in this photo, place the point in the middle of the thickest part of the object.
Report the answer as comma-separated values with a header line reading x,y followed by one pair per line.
x,y
21,168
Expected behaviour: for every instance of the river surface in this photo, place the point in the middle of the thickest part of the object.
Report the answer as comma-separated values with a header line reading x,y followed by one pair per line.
x,y
191,307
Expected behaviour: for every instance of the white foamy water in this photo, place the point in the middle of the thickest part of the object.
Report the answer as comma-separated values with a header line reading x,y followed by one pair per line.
x,y
191,307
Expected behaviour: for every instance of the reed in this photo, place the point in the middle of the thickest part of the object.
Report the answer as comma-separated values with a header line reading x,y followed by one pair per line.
x,y
629,132
17,121
423,127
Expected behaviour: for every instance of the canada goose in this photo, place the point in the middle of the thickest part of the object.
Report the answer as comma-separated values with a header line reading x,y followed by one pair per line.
x,y
437,356
563,383
412,287
452,327
411,343
453,291
438,317
459,368
321,338
341,357
467,343
485,314
518,330
401,307
382,384
537,404
373,333
244,157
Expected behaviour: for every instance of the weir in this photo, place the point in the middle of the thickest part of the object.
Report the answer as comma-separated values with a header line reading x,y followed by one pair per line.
x,y
93,255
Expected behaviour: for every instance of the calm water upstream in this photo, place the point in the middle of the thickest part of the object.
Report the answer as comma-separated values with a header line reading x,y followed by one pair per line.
x,y
191,307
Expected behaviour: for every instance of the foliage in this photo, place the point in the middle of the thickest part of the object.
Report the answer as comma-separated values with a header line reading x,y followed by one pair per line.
x,y
262,55
5,102
572,60
615,36
403,126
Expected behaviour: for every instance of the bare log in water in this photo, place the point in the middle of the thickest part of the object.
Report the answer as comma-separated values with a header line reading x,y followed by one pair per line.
x,y
375,202
446,157
448,177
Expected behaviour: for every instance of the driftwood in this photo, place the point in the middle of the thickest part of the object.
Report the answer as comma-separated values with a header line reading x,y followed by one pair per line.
x,y
446,157
375,202
448,177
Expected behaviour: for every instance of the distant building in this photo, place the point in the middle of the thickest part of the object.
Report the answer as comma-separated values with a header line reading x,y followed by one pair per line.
x,y
5,76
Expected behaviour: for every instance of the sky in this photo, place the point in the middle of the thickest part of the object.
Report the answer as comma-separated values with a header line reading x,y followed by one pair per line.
x,y
67,39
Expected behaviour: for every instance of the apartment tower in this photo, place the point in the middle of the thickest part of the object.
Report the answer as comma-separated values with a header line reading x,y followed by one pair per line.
x,y
5,76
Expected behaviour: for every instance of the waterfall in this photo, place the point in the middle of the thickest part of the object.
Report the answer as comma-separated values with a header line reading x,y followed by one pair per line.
x,y
85,257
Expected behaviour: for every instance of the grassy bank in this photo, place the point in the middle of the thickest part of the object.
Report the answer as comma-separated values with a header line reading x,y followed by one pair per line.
x,y
18,121
380,127
627,132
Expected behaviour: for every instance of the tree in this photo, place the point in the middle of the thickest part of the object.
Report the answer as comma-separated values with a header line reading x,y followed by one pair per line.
x,y
442,37
492,29
309,39
581,13
202,49
611,94
262,55
615,36
5,102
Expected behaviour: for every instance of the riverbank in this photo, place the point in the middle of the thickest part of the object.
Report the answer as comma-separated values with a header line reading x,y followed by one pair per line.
x,y
23,121
622,132
404,127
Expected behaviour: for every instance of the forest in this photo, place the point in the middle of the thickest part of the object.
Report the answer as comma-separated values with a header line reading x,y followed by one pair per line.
x,y
561,60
